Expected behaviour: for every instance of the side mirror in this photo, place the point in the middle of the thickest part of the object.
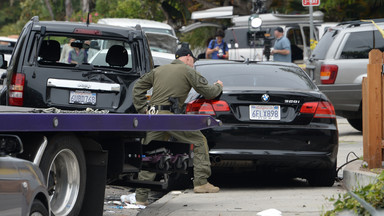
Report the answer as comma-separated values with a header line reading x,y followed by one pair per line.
x,y
3,63
2,77
10,144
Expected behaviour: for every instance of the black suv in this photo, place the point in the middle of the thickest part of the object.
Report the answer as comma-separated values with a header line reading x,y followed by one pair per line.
x,y
76,65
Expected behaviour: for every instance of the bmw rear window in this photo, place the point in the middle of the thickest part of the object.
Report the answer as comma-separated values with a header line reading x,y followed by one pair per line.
x,y
256,75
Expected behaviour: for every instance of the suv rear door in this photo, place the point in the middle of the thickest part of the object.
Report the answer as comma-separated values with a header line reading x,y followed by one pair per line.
x,y
97,85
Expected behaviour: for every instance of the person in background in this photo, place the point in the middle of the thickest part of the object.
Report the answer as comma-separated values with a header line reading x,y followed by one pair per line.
x,y
89,52
76,55
282,49
65,51
217,49
203,55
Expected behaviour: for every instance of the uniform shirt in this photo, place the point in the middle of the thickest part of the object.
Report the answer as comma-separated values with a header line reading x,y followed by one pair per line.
x,y
282,44
171,80
213,44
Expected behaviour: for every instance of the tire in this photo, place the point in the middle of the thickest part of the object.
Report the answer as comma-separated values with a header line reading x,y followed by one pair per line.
x,y
323,177
356,123
63,165
38,209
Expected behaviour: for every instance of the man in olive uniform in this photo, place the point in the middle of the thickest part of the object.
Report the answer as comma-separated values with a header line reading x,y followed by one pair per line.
x,y
176,80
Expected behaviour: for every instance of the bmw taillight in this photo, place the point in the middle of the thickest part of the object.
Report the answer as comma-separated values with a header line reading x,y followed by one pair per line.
x,y
321,109
328,74
16,90
207,107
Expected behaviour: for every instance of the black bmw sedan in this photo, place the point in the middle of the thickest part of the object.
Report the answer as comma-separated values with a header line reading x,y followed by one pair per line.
x,y
273,116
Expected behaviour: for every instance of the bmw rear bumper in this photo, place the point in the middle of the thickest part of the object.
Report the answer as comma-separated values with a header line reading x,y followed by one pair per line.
x,y
312,146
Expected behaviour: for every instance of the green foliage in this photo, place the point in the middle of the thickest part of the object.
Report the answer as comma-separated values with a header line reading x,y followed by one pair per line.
x,y
372,193
130,9
199,37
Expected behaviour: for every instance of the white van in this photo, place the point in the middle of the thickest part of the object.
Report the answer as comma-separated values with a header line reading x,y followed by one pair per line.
x,y
161,36
246,44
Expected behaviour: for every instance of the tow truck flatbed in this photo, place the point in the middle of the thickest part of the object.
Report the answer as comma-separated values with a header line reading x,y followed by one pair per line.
x,y
27,120
97,142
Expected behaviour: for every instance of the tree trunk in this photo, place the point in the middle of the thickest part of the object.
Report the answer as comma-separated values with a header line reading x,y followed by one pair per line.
x,y
49,8
68,9
167,17
85,6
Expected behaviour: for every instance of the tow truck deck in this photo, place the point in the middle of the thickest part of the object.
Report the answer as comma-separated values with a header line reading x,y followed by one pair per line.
x,y
38,131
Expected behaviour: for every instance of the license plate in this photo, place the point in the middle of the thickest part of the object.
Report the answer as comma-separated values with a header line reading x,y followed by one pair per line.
x,y
82,97
264,112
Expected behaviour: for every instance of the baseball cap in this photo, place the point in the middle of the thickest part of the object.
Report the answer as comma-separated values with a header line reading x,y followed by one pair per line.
x,y
183,51
279,29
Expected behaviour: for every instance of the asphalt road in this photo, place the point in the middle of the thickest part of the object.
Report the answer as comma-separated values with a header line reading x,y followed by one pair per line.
x,y
245,193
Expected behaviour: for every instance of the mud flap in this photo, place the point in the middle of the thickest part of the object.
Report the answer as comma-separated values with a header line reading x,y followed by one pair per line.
x,y
93,202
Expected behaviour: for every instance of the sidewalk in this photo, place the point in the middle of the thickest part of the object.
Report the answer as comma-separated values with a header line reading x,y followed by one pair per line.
x,y
304,201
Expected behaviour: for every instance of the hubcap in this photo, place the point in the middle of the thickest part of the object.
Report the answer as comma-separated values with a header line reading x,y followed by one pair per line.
x,y
63,182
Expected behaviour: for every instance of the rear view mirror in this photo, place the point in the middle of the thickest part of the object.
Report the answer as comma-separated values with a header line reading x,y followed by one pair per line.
x,y
10,144
3,63
77,44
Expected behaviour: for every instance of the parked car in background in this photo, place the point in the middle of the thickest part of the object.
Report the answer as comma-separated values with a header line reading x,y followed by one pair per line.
x,y
22,185
6,47
273,116
161,36
160,58
339,63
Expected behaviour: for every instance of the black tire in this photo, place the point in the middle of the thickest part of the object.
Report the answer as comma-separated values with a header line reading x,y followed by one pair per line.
x,y
65,152
324,177
356,123
38,209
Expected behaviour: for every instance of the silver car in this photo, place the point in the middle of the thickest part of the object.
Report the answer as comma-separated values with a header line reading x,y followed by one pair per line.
x,y
22,186
339,63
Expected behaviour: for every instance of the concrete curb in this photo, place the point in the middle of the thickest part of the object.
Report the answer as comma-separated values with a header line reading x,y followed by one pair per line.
x,y
154,208
354,178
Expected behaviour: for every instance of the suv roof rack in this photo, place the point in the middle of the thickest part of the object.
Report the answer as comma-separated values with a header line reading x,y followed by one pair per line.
x,y
359,22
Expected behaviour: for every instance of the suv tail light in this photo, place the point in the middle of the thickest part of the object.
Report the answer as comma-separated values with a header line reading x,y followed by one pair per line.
x,y
206,107
321,109
328,74
16,90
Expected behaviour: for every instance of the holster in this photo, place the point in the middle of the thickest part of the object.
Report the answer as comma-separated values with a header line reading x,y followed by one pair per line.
x,y
175,108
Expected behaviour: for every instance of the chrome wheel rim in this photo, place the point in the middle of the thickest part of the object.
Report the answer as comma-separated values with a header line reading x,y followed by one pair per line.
x,y
36,214
63,182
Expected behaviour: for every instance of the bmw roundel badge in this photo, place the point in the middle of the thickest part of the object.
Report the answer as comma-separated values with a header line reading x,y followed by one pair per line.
x,y
265,97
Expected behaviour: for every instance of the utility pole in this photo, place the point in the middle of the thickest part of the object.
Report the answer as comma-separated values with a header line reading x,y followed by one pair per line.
x,y
311,35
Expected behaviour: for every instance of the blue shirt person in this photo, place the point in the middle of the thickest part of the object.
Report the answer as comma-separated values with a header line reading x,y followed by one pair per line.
x,y
217,49
282,49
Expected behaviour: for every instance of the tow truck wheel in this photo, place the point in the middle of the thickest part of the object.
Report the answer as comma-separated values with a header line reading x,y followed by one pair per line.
x,y
63,165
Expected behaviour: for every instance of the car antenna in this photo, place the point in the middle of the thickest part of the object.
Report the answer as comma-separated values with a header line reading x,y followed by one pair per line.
x,y
88,19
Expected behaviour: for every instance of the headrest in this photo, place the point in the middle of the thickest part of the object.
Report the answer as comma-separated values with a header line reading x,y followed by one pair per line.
x,y
117,55
50,50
